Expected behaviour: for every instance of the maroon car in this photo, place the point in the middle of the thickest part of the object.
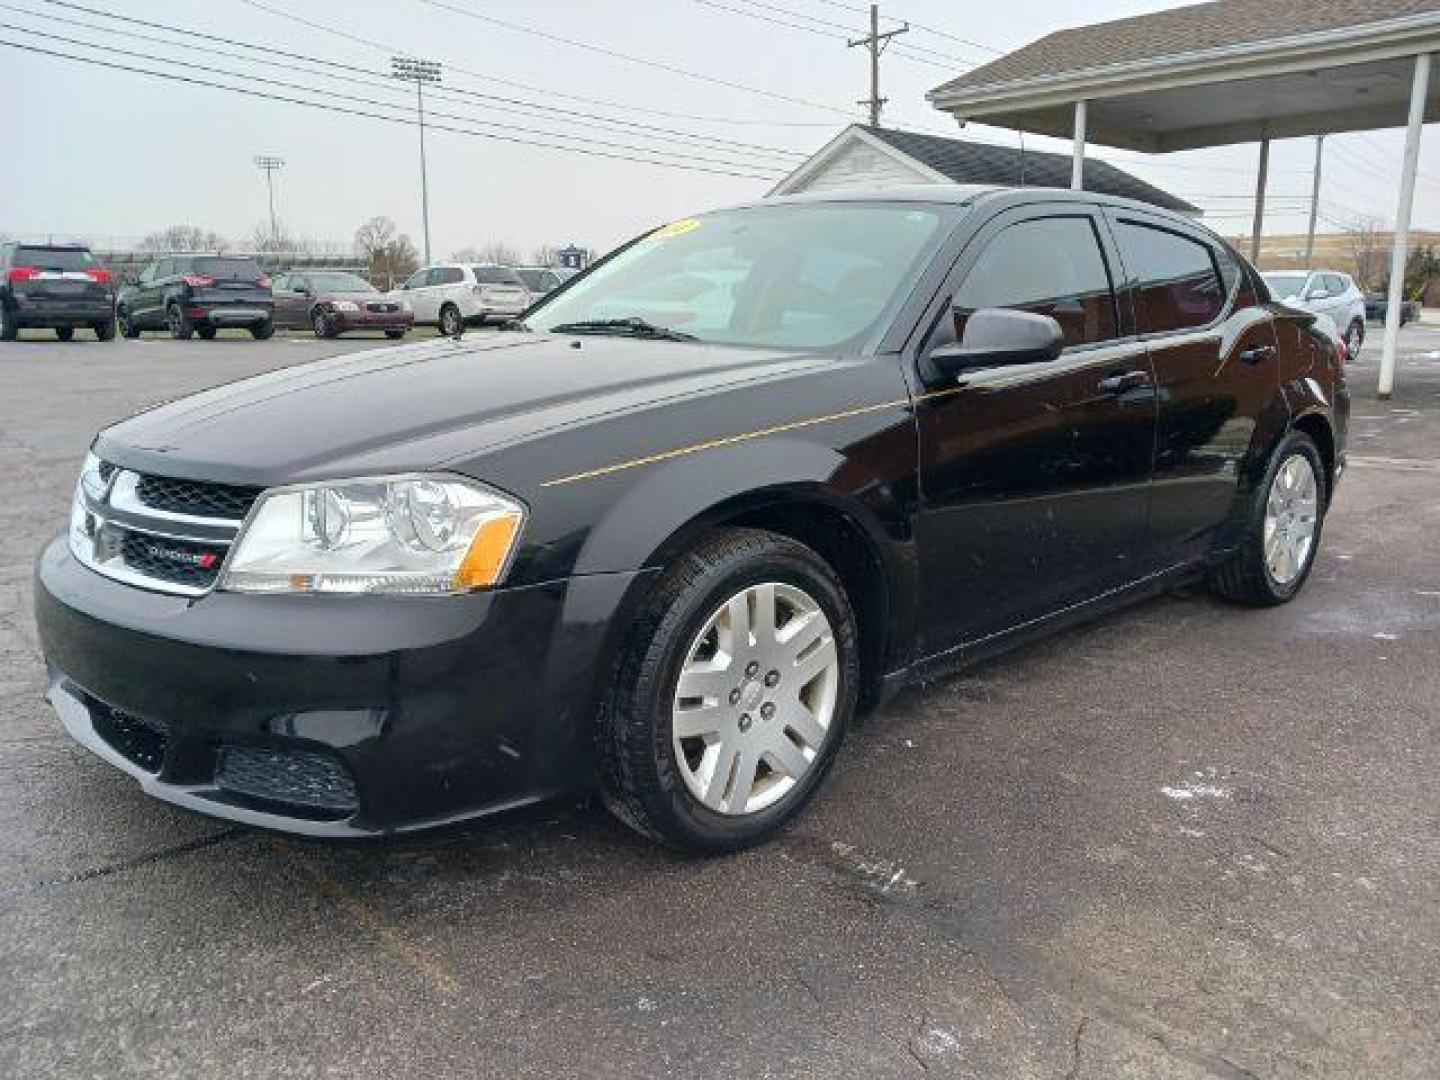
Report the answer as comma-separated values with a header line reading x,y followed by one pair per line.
x,y
331,302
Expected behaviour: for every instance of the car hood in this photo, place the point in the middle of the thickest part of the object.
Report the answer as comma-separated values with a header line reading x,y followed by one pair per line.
x,y
419,406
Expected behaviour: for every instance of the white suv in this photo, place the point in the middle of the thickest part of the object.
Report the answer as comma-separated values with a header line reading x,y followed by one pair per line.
x,y
455,295
1325,292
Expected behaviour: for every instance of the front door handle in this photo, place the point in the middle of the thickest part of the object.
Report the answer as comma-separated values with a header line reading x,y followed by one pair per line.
x,y
1123,381
1258,354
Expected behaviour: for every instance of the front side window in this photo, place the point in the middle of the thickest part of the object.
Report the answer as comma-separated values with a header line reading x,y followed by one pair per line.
x,y
417,280
795,276
1178,284
1049,266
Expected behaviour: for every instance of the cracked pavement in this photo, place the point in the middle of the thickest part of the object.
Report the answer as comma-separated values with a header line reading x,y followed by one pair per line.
x,y
1187,840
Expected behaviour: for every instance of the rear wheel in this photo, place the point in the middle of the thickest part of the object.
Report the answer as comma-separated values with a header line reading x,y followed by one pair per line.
x,y
207,331
65,333
451,325
263,331
8,329
179,323
128,327
105,331
734,693
1354,337
1282,528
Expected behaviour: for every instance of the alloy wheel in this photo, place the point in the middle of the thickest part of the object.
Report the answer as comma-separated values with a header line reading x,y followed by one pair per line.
x,y
755,698
1354,338
1291,519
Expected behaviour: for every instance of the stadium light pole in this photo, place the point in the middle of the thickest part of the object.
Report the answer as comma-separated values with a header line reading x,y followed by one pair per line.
x,y
420,72
270,165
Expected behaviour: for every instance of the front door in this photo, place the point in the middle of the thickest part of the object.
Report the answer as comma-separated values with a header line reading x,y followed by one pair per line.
x,y
1034,478
422,297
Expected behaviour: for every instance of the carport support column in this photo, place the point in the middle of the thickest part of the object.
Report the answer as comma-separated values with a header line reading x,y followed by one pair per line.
x,y
1418,89
1077,165
1260,200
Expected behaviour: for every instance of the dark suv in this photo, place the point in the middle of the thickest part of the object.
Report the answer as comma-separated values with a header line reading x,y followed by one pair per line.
x,y
54,286
754,470
198,294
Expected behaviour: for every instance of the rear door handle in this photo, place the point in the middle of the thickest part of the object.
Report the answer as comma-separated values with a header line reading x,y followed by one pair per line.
x,y
1125,380
1259,354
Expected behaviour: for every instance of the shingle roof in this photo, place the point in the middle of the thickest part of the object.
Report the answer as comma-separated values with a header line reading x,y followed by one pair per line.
x,y
1181,30
984,163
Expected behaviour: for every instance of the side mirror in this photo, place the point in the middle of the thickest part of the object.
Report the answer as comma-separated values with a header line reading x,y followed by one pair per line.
x,y
999,337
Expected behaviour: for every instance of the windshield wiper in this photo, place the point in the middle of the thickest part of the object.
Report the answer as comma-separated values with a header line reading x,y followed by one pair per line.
x,y
634,326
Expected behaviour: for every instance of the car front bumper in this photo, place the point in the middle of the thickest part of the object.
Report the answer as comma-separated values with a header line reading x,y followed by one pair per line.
x,y
372,320
348,716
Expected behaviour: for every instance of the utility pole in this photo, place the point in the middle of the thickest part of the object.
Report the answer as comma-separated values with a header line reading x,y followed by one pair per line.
x,y
271,165
420,72
876,42
1314,203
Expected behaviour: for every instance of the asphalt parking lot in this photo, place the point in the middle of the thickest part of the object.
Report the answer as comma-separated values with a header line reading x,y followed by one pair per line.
x,y
1189,840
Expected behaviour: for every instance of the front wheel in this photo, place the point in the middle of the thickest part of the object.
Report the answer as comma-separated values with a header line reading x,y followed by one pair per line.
x,y
105,331
734,693
321,324
8,329
263,331
395,335
128,327
181,328
451,324
1281,530
206,331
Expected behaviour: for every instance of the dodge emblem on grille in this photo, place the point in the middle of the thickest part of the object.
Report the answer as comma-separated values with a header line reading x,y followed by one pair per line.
x,y
206,560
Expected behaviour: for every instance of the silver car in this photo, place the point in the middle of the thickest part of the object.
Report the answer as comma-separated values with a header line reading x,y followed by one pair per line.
x,y
1325,292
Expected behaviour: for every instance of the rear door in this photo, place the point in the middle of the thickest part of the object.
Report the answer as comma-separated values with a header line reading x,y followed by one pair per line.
x,y
1034,478
1215,356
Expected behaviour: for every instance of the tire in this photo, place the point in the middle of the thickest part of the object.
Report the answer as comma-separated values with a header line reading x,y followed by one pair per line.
x,y
8,330
1248,576
207,331
105,331
1354,337
128,328
65,333
451,324
320,323
658,781
181,328
395,335
263,331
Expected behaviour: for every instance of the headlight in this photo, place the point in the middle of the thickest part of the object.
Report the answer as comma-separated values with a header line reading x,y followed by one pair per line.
x,y
399,534
345,305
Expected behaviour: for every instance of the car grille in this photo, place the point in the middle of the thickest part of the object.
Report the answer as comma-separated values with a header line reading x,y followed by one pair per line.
x,y
196,497
158,532
140,741
292,777
382,308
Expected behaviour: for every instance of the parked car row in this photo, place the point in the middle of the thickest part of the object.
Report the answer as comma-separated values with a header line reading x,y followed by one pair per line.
x,y
63,287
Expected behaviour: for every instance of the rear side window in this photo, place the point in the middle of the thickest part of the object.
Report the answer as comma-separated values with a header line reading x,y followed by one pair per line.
x,y
48,258
496,275
226,269
1050,266
446,275
1179,285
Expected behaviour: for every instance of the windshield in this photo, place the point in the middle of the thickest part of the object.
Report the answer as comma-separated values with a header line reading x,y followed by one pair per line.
x,y
331,281
1283,285
806,276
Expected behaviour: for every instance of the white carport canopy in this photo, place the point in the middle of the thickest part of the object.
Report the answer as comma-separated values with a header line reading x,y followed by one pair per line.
x,y
1226,72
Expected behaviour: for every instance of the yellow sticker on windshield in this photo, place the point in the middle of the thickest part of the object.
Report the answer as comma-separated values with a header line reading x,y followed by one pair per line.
x,y
675,228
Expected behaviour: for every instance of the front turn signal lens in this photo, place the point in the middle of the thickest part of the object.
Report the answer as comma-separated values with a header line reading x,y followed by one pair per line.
x,y
489,552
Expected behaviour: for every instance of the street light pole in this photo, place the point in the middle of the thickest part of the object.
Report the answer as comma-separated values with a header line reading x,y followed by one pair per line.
x,y
420,72
270,165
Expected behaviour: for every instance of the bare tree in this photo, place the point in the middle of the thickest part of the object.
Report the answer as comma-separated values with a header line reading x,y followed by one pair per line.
x,y
184,238
545,255
265,241
1369,250
389,255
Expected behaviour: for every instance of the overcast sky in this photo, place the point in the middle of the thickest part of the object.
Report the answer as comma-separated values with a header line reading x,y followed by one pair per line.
x,y
109,155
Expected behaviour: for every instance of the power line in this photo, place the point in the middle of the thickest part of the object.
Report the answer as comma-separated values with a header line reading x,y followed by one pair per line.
x,y
922,27
615,54
377,79
190,80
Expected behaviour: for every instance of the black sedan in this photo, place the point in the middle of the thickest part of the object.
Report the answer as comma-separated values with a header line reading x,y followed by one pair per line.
x,y
756,471
1376,303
